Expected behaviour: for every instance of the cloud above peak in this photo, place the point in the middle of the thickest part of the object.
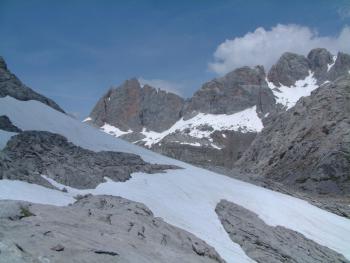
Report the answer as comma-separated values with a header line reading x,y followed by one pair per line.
x,y
264,47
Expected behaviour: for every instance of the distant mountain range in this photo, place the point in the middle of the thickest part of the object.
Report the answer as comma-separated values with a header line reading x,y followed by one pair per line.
x,y
218,124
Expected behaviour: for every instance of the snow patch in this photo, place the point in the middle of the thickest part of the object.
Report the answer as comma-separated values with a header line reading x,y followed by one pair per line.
x,y
329,66
23,191
110,129
87,119
288,96
197,144
244,121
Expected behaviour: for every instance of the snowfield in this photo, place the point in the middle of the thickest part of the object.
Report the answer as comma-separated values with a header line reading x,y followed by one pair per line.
x,y
244,121
185,198
288,96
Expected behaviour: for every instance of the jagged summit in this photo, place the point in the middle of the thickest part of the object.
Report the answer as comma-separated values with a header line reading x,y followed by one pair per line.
x,y
288,69
320,62
237,90
130,106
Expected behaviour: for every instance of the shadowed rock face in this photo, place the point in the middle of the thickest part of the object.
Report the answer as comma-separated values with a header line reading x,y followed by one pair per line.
x,y
308,146
238,90
288,69
265,243
6,124
341,66
95,229
31,154
11,86
319,59
132,107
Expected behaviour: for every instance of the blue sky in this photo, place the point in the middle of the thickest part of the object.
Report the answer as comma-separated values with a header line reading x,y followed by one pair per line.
x,y
73,51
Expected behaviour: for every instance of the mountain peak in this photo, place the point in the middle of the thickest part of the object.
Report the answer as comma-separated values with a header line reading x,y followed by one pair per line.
x,y
289,68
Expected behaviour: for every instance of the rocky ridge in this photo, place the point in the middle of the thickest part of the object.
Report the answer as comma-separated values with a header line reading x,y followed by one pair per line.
x,y
31,154
11,86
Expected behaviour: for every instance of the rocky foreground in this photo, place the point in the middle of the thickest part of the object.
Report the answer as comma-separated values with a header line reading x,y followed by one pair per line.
x,y
94,229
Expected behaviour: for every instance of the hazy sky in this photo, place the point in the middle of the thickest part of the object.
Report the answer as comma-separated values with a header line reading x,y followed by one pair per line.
x,y
73,51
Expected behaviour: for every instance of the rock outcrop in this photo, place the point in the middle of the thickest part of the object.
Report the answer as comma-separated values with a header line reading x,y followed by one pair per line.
x,y
132,107
288,69
122,231
236,91
31,154
341,66
320,62
308,146
264,243
11,86
7,125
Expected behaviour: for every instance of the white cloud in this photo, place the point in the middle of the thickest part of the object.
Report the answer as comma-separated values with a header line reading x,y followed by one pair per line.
x,y
163,85
264,47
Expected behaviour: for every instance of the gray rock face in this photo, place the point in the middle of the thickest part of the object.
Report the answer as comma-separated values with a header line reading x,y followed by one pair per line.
x,y
288,69
341,66
319,59
11,86
238,90
132,107
96,229
31,154
308,146
231,146
265,243
6,124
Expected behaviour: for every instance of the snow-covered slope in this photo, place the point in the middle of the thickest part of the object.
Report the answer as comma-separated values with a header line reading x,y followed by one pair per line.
x,y
185,197
288,96
244,121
